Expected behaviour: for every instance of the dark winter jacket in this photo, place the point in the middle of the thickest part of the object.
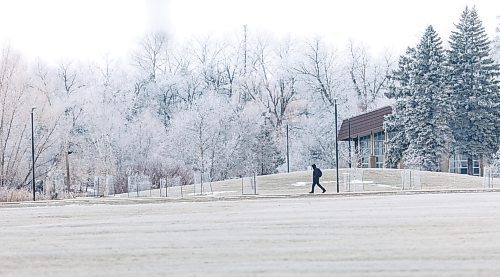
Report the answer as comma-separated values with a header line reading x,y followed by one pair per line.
x,y
316,174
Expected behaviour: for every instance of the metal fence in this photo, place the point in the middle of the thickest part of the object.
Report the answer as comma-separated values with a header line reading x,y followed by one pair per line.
x,y
202,183
249,185
351,180
491,177
363,179
102,186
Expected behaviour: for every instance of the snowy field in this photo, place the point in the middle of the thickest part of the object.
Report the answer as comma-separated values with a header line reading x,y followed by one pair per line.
x,y
441,234
299,182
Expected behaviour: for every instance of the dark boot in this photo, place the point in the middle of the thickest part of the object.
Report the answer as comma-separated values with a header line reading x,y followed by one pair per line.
x,y
312,188
321,187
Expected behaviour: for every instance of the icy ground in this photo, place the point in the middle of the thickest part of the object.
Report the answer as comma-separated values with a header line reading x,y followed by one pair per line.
x,y
322,235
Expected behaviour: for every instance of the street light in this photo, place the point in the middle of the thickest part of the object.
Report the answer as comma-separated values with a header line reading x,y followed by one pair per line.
x,y
33,149
266,118
350,154
68,180
336,146
287,151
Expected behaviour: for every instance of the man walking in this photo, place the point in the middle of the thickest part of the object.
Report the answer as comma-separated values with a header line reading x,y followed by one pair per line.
x,y
316,175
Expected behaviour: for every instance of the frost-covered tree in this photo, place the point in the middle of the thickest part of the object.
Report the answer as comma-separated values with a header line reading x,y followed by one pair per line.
x,y
321,72
428,105
279,81
400,89
225,142
268,155
475,89
105,117
14,126
195,134
159,74
19,92
418,128
325,83
368,77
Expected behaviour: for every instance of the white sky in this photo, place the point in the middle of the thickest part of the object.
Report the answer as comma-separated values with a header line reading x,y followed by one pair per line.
x,y
88,29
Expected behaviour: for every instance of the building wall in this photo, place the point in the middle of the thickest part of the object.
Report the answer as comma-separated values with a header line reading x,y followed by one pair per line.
x,y
371,154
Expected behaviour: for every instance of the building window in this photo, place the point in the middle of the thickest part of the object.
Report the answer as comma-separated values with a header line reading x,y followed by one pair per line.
x,y
364,151
476,168
458,164
379,150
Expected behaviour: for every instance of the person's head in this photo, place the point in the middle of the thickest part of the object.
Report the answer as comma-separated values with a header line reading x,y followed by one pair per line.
x,y
313,166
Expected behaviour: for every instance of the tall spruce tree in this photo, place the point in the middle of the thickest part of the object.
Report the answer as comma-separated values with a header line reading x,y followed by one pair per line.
x,y
475,90
428,105
399,89
419,125
268,155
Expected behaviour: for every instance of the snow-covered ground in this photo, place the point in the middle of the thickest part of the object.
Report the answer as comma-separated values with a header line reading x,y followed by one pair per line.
x,y
453,234
298,183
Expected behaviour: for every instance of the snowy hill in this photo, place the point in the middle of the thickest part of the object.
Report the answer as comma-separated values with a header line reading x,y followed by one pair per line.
x,y
299,183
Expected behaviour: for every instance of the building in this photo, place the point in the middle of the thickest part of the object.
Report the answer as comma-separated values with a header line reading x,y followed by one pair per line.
x,y
366,132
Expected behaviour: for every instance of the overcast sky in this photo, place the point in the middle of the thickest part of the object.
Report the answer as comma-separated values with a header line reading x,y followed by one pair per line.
x,y
89,29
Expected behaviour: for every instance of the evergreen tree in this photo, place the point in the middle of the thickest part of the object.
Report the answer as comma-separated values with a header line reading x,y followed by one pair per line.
x,y
418,128
269,156
475,90
399,89
428,105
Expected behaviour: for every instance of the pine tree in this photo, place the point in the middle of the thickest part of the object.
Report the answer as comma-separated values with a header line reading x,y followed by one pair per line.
x,y
475,90
269,156
399,88
418,130
428,105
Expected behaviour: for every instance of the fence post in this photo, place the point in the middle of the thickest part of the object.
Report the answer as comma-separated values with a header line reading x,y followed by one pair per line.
x,y
210,183
403,179
254,184
411,184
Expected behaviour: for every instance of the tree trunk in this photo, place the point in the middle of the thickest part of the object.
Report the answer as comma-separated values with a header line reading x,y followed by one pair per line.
x,y
470,170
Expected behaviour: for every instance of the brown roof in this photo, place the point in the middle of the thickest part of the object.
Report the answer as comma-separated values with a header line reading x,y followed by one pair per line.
x,y
364,124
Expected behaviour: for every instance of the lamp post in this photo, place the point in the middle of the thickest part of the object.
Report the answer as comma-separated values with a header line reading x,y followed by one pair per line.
x,y
33,149
287,151
68,179
336,146
350,155
264,114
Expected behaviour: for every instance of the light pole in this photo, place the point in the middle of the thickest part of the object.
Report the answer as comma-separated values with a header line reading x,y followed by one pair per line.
x,y
68,179
262,147
287,151
350,155
336,146
33,149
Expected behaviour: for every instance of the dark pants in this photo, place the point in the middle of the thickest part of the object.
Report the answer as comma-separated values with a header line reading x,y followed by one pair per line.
x,y
316,182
